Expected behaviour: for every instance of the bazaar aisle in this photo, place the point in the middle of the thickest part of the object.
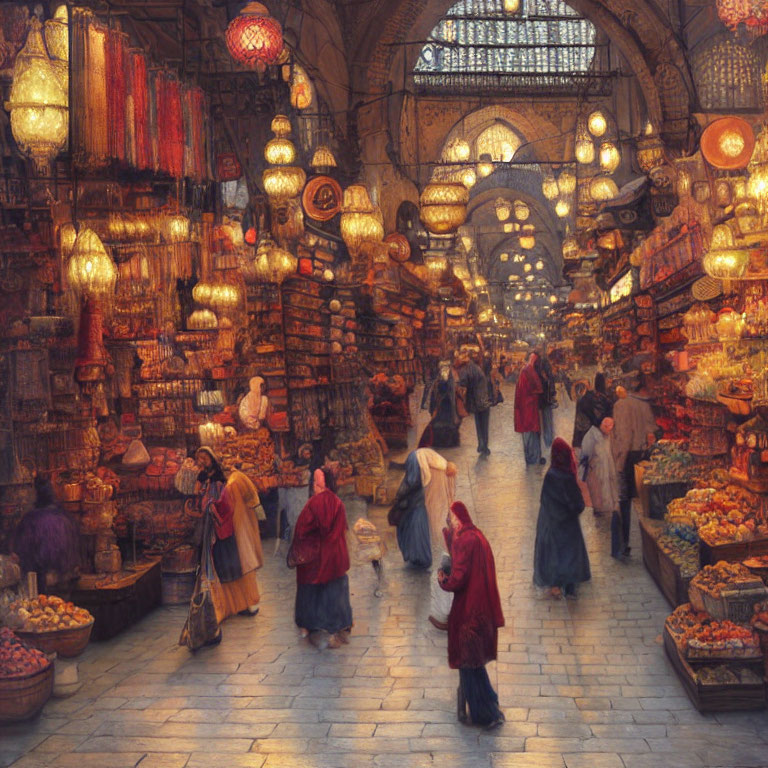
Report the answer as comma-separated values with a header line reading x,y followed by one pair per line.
x,y
584,684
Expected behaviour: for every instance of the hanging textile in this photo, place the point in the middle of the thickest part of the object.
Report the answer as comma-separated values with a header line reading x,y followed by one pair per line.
x,y
152,124
116,66
79,99
96,89
170,125
139,92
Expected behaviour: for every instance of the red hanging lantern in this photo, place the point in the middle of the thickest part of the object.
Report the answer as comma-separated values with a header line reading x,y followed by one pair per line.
x,y
254,37
752,13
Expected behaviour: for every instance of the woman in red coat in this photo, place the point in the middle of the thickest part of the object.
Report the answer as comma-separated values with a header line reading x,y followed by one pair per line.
x,y
527,392
475,616
319,554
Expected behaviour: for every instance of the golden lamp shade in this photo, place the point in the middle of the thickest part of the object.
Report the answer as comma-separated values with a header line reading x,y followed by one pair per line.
x,y
443,207
566,183
202,320
728,143
90,271
757,184
280,151
283,182
726,263
562,209
458,151
38,102
511,6
597,124
610,157
281,126
527,241
522,211
603,188
503,209
56,32
67,238
485,165
361,221
549,187
176,229
469,178
323,158
584,149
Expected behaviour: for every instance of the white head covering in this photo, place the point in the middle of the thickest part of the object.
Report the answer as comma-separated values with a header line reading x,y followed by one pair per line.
x,y
429,460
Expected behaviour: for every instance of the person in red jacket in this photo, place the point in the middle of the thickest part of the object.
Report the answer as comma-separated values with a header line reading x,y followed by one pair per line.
x,y
527,392
319,554
475,617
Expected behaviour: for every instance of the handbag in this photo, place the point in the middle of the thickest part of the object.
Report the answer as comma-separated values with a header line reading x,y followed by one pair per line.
x,y
201,625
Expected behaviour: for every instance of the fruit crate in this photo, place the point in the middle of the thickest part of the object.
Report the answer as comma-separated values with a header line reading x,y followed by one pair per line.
x,y
732,552
737,605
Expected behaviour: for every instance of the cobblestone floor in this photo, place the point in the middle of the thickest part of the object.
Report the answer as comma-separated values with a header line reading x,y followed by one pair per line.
x,y
584,684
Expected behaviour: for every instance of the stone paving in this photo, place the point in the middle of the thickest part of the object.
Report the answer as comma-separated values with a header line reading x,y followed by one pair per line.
x,y
584,684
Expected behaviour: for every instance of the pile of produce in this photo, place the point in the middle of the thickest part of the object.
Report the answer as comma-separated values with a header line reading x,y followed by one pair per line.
x,y
670,463
685,619
17,659
250,452
715,579
46,614
722,638
725,674
682,552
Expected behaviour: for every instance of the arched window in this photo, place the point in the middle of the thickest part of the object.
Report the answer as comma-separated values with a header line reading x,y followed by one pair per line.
x,y
546,47
498,141
727,76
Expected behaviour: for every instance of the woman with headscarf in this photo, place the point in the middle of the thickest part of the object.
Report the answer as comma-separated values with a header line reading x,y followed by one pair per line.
x,y
443,430
231,510
560,559
319,554
527,422
46,542
475,617
420,505
254,407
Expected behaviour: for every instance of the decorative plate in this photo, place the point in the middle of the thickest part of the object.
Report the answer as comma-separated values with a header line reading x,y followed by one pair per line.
x,y
403,252
322,198
727,143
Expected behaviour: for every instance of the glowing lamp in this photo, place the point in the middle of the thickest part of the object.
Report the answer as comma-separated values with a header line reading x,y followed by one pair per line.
x,y
280,151
527,267
436,265
757,184
566,183
549,187
323,158
522,211
485,165
224,297
503,209
443,207
527,238
650,151
254,38
458,151
176,229
570,248
67,237
38,102
609,156
597,124
539,265
481,282
584,149
562,209
90,271
504,257
361,220
731,143
281,125
509,228
283,182
726,264
518,297
527,297
274,264
511,6
553,299
469,178
202,320
603,188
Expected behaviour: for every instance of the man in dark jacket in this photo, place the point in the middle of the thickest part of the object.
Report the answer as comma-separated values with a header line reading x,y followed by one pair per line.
x,y
472,378
547,397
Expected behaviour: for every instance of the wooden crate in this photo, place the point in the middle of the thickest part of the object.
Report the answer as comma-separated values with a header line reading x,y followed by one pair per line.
x,y
713,698
735,605
673,586
650,548
734,552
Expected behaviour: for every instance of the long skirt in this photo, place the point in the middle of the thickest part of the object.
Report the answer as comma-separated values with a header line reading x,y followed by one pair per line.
x,y
324,606
229,598
482,700
413,537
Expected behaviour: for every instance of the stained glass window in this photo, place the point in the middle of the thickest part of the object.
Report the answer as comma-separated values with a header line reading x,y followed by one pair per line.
x,y
477,45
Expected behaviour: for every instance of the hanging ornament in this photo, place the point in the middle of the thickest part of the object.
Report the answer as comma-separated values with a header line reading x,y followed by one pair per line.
x,y
443,207
522,211
610,158
485,165
549,187
469,178
584,149
503,209
566,183
563,208
254,38
90,271
603,188
323,158
361,220
597,124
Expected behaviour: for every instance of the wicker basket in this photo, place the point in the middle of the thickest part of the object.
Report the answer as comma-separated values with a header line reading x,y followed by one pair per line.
x,y
21,698
66,643
734,605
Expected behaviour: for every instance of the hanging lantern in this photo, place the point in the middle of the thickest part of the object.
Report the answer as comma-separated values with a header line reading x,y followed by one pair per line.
x,y
650,151
280,151
553,299
570,248
283,182
597,124
485,165
566,183
436,266
527,267
90,271
610,158
469,178
603,188
56,33
584,149
176,229
281,125
724,260
511,6
481,282
38,102
202,292
443,207
522,211
67,237
528,297
323,158
539,265
504,257
757,185
224,297
518,297
202,320
361,220
457,151
274,264
254,38
563,208
527,238
549,187
301,89
513,278
503,209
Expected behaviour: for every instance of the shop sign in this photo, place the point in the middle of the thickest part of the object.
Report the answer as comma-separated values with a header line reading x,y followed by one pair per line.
x,y
622,287
227,167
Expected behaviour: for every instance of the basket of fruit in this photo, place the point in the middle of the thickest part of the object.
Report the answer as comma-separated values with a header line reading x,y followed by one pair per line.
x,y
726,591
53,625
26,679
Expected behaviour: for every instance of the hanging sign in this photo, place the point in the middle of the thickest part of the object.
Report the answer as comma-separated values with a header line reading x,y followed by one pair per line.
x,y
227,167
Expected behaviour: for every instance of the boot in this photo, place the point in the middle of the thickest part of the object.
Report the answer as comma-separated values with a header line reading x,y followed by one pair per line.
x,y
461,706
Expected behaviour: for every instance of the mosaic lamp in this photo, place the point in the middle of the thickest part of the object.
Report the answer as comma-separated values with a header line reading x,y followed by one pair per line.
x,y
361,220
597,124
610,157
443,207
254,38
38,103
549,187
90,271
566,183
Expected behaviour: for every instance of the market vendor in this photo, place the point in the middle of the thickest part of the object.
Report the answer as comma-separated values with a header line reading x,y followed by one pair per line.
x,y
46,542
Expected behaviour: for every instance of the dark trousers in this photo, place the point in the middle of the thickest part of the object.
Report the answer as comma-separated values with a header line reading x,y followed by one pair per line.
x,y
481,699
620,524
482,422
